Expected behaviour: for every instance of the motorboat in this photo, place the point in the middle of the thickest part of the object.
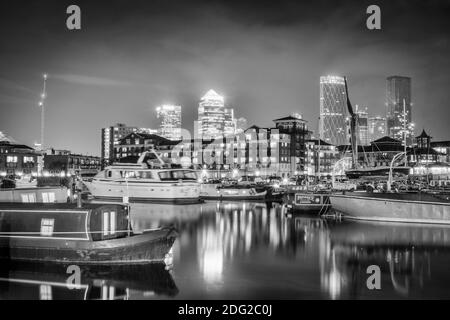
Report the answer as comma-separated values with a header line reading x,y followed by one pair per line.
x,y
142,181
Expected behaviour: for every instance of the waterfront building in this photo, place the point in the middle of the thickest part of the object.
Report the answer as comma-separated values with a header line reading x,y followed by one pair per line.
x,y
134,144
398,102
64,163
169,121
17,159
377,128
443,147
112,135
211,116
362,126
422,152
320,158
110,139
333,110
297,128
379,153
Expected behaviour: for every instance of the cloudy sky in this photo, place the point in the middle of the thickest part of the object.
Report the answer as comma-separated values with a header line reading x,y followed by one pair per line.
x,y
264,57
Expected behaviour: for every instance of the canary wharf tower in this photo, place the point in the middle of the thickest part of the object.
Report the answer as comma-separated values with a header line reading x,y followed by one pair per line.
x,y
211,116
333,112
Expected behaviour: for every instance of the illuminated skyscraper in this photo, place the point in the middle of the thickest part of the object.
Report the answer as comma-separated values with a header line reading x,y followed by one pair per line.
x,y
230,122
377,128
398,91
241,125
211,116
333,110
170,121
363,126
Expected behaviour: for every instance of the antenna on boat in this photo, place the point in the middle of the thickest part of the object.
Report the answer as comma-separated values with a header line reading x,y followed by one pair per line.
x,y
152,151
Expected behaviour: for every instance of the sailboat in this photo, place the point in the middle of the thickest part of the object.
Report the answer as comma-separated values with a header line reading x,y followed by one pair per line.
x,y
390,206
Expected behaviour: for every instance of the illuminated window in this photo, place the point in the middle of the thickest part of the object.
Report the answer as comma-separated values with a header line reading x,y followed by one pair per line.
x,y
47,226
109,223
28,198
45,292
48,197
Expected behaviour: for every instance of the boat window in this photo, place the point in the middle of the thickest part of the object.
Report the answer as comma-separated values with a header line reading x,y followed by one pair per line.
x,y
28,198
48,197
47,226
109,223
144,175
178,175
109,174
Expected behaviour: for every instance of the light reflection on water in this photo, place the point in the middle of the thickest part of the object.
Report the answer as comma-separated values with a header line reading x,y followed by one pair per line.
x,y
247,250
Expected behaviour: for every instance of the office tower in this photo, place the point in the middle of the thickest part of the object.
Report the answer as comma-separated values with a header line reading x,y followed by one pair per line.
x,y
230,122
241,125
377,128
211,116
363,126
110,138
398,91
333,110
169,121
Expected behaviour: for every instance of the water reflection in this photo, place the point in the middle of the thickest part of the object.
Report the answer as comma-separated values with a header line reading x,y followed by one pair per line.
x,y
30,281
243,250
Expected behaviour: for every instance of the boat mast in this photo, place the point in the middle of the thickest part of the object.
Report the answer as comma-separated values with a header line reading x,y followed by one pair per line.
x,y
404,130
318,157
353,118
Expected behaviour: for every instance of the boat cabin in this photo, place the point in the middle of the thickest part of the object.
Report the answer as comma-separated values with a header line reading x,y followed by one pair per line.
x,y
93,222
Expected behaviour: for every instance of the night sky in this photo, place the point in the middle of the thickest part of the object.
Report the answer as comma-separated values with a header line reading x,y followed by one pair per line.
x,y
264,57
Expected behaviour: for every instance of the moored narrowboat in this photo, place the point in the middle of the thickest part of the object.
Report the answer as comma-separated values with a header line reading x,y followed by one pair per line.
x,y
64,233
308,203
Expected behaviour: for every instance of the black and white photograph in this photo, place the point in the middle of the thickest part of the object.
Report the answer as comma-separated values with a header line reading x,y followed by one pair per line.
x,y
192,151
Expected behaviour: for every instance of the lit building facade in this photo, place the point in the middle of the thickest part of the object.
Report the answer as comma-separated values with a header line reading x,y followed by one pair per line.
x,y
398,102
333,110
112,135
17,159
211,116
230,122
377,128
320,158
63,163
363,126
169,121
297,129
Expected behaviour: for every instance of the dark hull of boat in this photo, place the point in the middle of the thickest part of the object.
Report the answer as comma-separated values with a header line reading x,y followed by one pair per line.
x,y
235,198
356,174
152,246
152,200
392,207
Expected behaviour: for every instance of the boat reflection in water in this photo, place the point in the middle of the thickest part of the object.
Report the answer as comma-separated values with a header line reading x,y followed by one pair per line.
x,y
413,260
30,281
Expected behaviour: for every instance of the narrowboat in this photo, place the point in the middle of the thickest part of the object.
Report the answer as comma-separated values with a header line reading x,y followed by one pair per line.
x,y
232,192
308,203
36,195
49,281
139,183
393,207
65,233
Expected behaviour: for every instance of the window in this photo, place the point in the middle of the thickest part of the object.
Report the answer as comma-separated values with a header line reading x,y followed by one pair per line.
x,y
47,226
11,159
178,175
28,198
45,292
109,223
48,197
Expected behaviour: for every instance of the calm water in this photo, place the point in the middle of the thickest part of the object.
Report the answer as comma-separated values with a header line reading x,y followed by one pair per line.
x,y
253,251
